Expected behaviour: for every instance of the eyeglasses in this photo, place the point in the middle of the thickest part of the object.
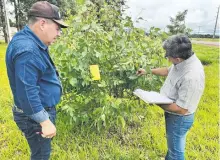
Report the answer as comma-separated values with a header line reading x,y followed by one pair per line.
x,y
58,27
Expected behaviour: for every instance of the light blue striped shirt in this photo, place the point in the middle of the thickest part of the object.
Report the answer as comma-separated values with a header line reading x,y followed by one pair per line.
x,y
185,83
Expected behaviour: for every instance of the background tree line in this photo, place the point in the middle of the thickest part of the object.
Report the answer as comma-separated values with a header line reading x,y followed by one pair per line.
x,y
18,17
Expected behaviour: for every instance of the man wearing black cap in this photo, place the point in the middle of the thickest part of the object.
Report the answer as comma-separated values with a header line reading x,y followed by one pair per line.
x,y
184,84
33,78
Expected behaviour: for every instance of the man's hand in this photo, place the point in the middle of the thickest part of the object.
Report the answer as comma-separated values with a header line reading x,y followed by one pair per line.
x,y
141,72
48,129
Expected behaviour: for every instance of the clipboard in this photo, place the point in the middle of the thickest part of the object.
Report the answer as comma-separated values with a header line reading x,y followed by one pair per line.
x,y
152,97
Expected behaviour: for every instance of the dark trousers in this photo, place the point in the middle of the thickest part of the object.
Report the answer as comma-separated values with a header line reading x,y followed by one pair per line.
x,y
40,147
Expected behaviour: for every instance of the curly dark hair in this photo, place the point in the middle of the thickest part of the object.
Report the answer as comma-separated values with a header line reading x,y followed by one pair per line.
x,y
178,46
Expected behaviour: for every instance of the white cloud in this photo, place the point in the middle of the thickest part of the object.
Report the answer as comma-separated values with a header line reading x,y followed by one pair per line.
x,y
200,17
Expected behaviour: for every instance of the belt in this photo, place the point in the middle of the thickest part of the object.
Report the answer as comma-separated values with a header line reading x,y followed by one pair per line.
x,y
16,109
176,114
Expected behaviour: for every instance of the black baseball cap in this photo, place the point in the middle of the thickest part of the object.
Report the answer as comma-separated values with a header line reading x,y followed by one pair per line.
x,y
46,10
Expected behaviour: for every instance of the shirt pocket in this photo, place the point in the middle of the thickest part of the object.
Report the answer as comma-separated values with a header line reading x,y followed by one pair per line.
x,y
173,89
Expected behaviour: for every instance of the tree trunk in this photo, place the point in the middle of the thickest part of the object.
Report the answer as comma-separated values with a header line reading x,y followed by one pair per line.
x,y
16,15
3,21
17,11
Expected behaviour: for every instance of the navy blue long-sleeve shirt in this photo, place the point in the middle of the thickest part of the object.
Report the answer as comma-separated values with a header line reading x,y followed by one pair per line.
x,y
32,75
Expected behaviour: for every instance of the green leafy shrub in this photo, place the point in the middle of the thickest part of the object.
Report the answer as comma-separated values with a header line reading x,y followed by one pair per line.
x,y
100,37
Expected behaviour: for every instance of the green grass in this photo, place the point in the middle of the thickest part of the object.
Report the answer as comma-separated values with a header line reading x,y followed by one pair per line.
x,y
207,54
144,139
206,39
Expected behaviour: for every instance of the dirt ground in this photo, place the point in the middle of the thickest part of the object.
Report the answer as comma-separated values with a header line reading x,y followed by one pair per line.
x,y
216,44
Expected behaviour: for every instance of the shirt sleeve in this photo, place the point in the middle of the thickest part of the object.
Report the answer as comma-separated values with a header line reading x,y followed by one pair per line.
x,y
28,68
169,68
189,94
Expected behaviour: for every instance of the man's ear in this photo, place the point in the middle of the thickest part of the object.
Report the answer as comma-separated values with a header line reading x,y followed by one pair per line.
x,y
179,60
42,23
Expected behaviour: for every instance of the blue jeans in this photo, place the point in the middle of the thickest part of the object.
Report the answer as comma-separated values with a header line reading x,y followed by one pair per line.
x,y
40,147
177,127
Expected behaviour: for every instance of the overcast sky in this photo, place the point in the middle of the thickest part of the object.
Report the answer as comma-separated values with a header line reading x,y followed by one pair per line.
x,y
201,14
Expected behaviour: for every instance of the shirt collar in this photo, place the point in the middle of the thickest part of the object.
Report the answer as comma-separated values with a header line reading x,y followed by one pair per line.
x,y
184,63
34,37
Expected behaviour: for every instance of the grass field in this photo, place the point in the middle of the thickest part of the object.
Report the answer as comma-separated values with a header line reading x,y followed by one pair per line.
x,y
144,140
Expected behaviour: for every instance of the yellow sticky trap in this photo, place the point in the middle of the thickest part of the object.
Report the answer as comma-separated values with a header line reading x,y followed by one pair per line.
x,y
94,69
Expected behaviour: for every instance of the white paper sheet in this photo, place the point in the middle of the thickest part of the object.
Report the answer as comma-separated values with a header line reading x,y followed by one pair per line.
x,y
152,97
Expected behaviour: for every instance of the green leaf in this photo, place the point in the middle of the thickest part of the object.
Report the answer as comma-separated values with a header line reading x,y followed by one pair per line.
x,y
109,38
73,81
121,121
65,107
102,84
97,54
97,111
85,27
103,117
133,77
